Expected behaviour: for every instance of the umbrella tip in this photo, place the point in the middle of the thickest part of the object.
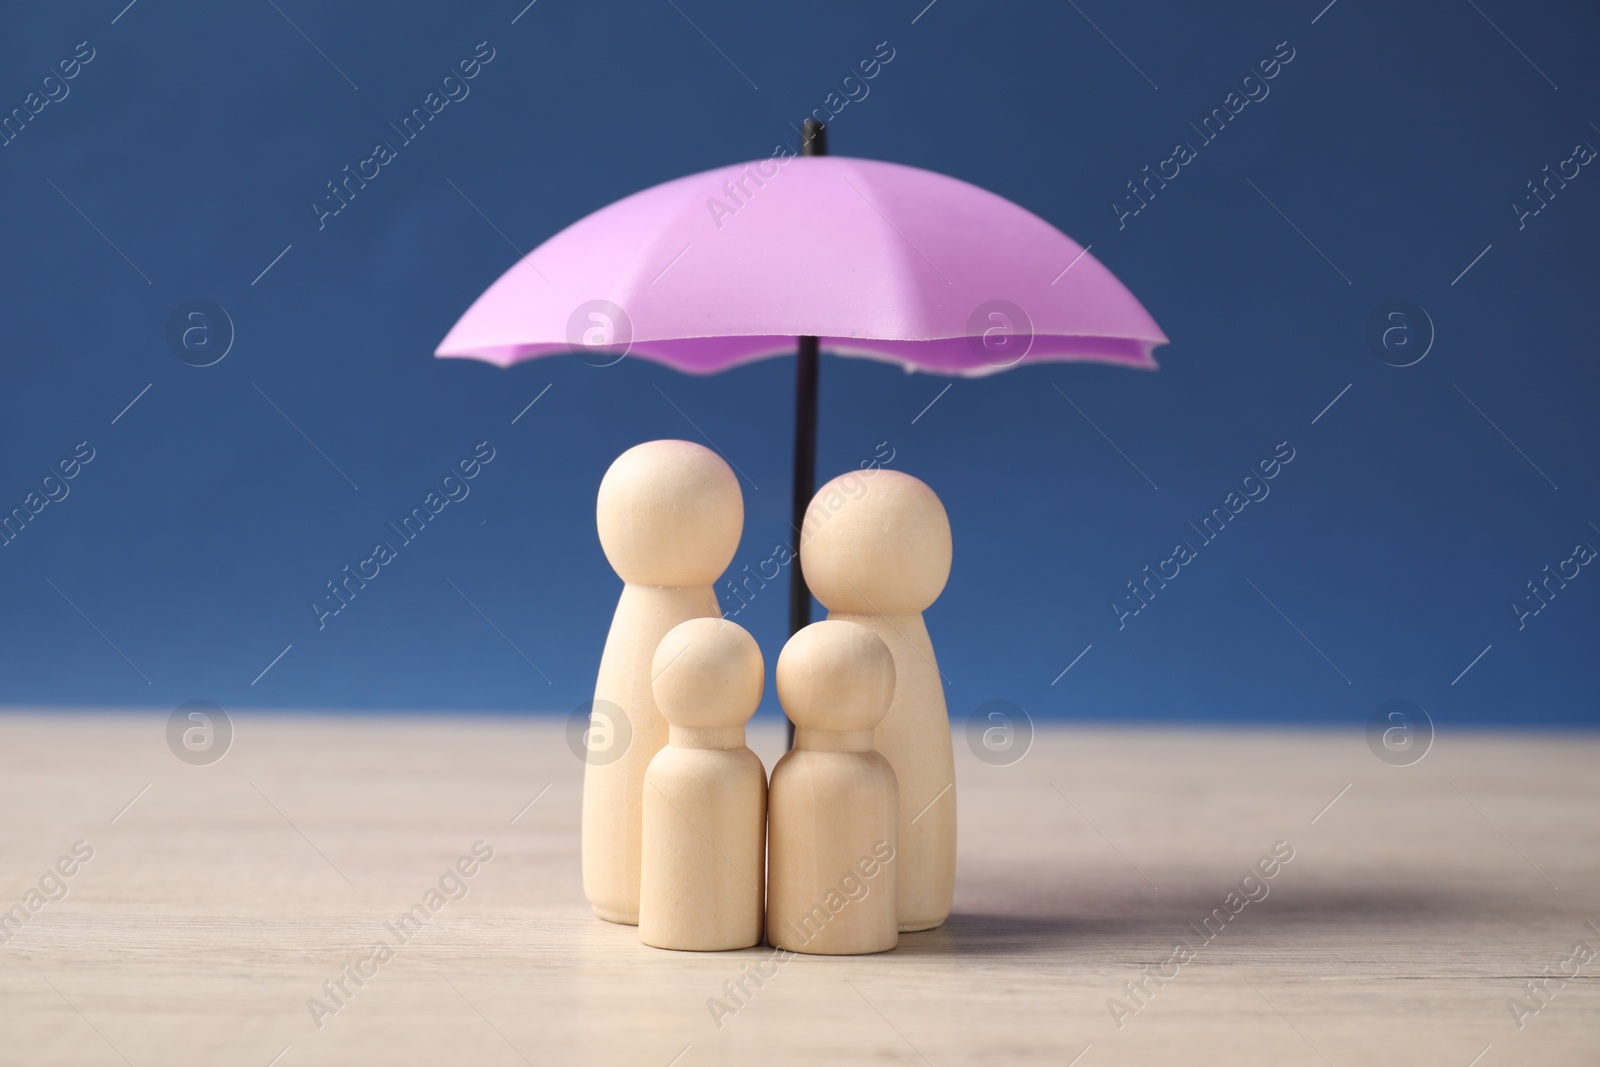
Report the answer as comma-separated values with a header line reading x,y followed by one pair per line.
x,y
813,138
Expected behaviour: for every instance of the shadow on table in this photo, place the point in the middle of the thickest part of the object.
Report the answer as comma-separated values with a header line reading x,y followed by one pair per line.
x,y
988,934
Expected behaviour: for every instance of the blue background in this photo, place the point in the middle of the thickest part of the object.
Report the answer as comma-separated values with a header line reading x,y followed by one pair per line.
x,y
1396,142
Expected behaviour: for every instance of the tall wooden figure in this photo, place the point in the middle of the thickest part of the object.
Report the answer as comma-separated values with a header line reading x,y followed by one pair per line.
x,y
875,549
834,805
705,795
670,514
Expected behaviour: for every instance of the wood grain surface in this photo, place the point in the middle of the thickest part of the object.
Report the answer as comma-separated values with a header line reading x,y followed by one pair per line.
x,y
220,900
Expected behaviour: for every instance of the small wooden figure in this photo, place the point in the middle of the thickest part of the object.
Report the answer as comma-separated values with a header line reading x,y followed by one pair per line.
x,y
705,795
670,514
875,549
834,804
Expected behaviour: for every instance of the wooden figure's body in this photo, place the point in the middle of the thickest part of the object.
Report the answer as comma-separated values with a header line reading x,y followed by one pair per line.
x,y
669,515
613,787
833,804
876,551
705,795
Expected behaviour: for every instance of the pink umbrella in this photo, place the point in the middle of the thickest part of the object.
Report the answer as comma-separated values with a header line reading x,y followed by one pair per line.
x,y
861,257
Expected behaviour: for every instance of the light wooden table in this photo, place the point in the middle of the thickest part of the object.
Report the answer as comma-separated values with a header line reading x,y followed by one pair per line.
x,y
224,896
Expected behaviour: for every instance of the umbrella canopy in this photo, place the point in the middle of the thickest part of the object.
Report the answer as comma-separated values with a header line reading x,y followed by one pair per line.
x,y
875,259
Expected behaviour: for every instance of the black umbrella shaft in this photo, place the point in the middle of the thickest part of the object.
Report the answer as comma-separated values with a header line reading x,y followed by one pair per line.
x,y
805,480
805,475
813,142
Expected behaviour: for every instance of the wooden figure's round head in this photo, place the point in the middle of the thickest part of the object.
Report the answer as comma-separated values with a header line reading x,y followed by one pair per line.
x,y
876,543
707,673
836,675
669,513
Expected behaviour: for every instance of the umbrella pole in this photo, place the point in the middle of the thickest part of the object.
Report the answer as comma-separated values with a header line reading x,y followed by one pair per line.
x,y
813,142
805,480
